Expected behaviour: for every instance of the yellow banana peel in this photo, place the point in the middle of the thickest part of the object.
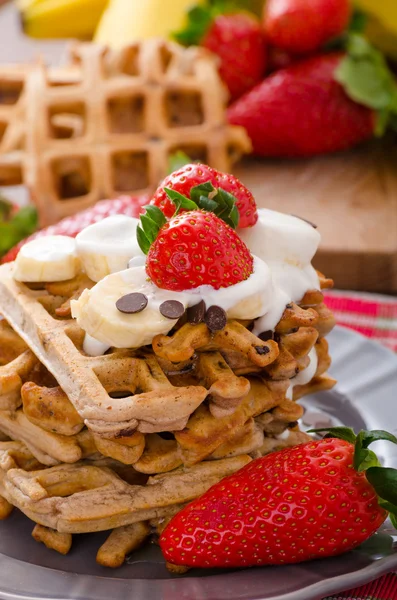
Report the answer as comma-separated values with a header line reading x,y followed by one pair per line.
x,y
61,18
381,29
126,21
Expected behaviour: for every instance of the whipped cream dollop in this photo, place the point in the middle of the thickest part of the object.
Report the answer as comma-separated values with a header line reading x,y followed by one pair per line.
x,y
305,375
287,244
107,246
283,247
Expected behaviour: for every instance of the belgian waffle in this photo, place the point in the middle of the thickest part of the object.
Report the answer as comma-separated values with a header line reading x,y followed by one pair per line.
x,y
124,440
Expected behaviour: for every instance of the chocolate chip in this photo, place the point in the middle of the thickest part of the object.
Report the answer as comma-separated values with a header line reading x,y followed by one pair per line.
x,y
215,318
306,220
262,350
172,309
132,303
289,306
196,313
266,335
292,424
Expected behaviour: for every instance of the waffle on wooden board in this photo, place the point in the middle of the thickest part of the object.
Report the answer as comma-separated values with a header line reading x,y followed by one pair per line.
x,y
122,441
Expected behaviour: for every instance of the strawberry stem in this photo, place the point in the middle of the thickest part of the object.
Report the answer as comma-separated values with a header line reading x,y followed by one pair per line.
x,y
151,223
382,479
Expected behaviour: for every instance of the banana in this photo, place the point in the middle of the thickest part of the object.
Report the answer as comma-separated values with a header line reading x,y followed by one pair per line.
x,y
106,247
61,18
50,258
126,21
96,311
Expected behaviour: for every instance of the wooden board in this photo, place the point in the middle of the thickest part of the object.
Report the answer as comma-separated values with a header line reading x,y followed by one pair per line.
x,y
352,196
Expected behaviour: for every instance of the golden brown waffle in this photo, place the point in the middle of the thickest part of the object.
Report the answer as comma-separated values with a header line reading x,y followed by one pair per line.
x,y
205,404
113,130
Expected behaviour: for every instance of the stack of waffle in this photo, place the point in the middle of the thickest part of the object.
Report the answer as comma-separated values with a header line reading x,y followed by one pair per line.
x,y
107,123
122,441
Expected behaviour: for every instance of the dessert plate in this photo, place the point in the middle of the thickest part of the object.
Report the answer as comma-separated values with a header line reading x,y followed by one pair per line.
x,y
364,397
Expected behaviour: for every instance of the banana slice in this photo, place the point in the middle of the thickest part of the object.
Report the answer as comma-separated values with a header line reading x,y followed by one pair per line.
x,y
49,258
96,311
106,247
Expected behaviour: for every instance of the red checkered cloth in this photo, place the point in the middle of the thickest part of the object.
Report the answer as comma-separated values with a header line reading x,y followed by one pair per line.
x,y
384,588
372,315
376,317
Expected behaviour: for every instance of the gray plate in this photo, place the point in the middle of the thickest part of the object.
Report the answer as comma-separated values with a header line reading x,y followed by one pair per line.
x,y
367,375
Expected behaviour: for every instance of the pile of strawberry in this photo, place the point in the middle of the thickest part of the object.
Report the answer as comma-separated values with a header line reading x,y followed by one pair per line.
x,y
302,81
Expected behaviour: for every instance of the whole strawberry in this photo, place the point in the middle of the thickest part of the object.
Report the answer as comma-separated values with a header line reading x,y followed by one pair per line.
x,y
310,501
303,111
303,26
236,38
192,175
71,226
192,249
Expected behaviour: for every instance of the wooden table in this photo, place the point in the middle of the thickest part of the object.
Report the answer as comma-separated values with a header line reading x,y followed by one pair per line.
x,y
351,196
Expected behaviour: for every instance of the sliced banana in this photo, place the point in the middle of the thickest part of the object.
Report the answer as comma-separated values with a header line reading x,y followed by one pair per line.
x,y
45,259
97,314
107,246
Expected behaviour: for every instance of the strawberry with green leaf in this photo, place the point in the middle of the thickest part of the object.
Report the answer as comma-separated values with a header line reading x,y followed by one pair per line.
x,y
327,103
217,187
195,247
235,36
310,501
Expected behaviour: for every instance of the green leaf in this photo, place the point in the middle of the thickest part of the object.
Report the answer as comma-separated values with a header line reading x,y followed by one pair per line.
x,y
180,201
342,433
207,204
143,241
178,160
151,223
25,220
203,190
364,458
199,20
155,214
384,482
367,79
391,508
358,22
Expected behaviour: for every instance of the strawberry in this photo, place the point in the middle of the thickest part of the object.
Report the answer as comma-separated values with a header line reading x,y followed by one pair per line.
x,y
236,38
313,500
303,26
71,226
192,249
192,175
303,111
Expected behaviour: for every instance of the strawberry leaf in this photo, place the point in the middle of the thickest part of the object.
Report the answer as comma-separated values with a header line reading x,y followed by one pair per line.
x,y
203,190
384,482
342,433
367,79
180,201
151,223
199,20
364,458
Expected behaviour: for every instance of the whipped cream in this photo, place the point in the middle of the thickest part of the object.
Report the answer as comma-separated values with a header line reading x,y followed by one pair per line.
x,y
287,244
283,247
107,246
305,375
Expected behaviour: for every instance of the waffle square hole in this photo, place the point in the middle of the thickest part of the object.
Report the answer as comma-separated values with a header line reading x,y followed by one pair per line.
x,y
126,115
3,128
184,109
67,121
72,177
196,152
130,171
10,92
129,63
10,174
